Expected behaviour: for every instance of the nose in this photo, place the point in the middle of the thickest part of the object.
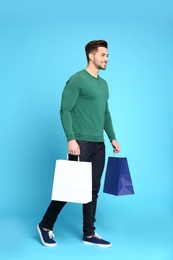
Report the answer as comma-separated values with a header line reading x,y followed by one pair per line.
x,y
106,59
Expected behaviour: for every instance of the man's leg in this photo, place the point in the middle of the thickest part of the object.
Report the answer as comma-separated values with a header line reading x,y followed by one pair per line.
x,y
45,227
52,213
97,157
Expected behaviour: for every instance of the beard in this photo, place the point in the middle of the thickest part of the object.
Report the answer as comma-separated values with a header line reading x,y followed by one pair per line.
x,y
101,66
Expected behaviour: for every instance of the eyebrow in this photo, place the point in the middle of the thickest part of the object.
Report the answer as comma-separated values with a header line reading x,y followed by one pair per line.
x,y
107,54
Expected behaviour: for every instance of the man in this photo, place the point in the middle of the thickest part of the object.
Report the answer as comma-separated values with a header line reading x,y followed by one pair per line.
x,y
85,115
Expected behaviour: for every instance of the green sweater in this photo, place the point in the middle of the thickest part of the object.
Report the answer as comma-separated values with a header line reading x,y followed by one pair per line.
x,y
84,108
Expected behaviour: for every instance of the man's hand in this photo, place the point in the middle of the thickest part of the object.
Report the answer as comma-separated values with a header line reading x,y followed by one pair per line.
x,y
116,146
73,147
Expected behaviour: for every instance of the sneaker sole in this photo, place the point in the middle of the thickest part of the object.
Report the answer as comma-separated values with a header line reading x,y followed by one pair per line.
x,y
94,244
45,244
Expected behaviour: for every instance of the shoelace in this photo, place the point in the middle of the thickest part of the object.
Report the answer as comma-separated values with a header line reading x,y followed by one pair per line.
x,y
97,236
51,235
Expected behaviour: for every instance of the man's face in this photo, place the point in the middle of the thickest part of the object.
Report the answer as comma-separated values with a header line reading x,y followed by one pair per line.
x,y
100,58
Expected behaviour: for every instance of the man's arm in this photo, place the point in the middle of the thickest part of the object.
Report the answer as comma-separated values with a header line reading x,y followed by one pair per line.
x,y
69,97
108,127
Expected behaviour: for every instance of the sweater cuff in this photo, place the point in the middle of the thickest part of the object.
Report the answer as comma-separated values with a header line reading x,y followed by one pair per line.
x,y
71,137
111,138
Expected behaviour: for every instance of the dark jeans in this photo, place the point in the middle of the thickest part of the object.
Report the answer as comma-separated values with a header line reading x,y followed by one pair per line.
x,y
89,152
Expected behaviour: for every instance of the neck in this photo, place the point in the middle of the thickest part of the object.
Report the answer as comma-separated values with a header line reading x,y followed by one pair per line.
x,y
92,70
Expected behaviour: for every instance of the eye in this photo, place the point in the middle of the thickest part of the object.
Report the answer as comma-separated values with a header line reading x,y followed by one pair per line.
x,y
104,55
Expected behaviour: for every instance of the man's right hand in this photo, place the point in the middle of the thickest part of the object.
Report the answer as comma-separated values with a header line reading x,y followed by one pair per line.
x,y
73,147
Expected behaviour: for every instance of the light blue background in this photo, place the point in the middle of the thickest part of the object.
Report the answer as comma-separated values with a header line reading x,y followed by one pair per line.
x,y
41,46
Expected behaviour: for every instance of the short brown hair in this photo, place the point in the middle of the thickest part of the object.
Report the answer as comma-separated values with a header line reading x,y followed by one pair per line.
x,y
93,46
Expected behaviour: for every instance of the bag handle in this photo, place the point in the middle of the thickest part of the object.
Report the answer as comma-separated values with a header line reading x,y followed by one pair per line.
x,y
114,154
78,158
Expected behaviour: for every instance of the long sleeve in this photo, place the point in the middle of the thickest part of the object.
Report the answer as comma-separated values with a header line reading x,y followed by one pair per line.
x,y
69,97
108,127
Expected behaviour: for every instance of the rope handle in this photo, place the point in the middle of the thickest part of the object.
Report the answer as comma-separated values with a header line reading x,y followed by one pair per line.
x,y
78,157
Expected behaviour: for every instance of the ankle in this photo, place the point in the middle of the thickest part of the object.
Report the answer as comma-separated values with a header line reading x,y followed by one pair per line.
x,y
45,229
90,236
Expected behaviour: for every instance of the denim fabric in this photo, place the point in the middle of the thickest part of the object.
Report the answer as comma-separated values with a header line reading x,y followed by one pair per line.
x,y
89,152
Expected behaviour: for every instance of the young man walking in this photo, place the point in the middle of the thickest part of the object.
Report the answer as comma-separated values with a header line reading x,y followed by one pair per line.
x,y
85,116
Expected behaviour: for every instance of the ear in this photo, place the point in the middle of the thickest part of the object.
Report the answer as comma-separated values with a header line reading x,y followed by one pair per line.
x,y
91,56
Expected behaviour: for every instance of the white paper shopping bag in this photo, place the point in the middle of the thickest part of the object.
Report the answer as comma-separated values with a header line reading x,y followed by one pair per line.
x,y
72,181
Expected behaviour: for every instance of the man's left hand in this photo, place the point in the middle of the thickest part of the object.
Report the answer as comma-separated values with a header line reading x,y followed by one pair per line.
x,y
116,146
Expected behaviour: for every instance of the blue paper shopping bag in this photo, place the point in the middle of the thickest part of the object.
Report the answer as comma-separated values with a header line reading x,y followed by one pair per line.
x,y
117,178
